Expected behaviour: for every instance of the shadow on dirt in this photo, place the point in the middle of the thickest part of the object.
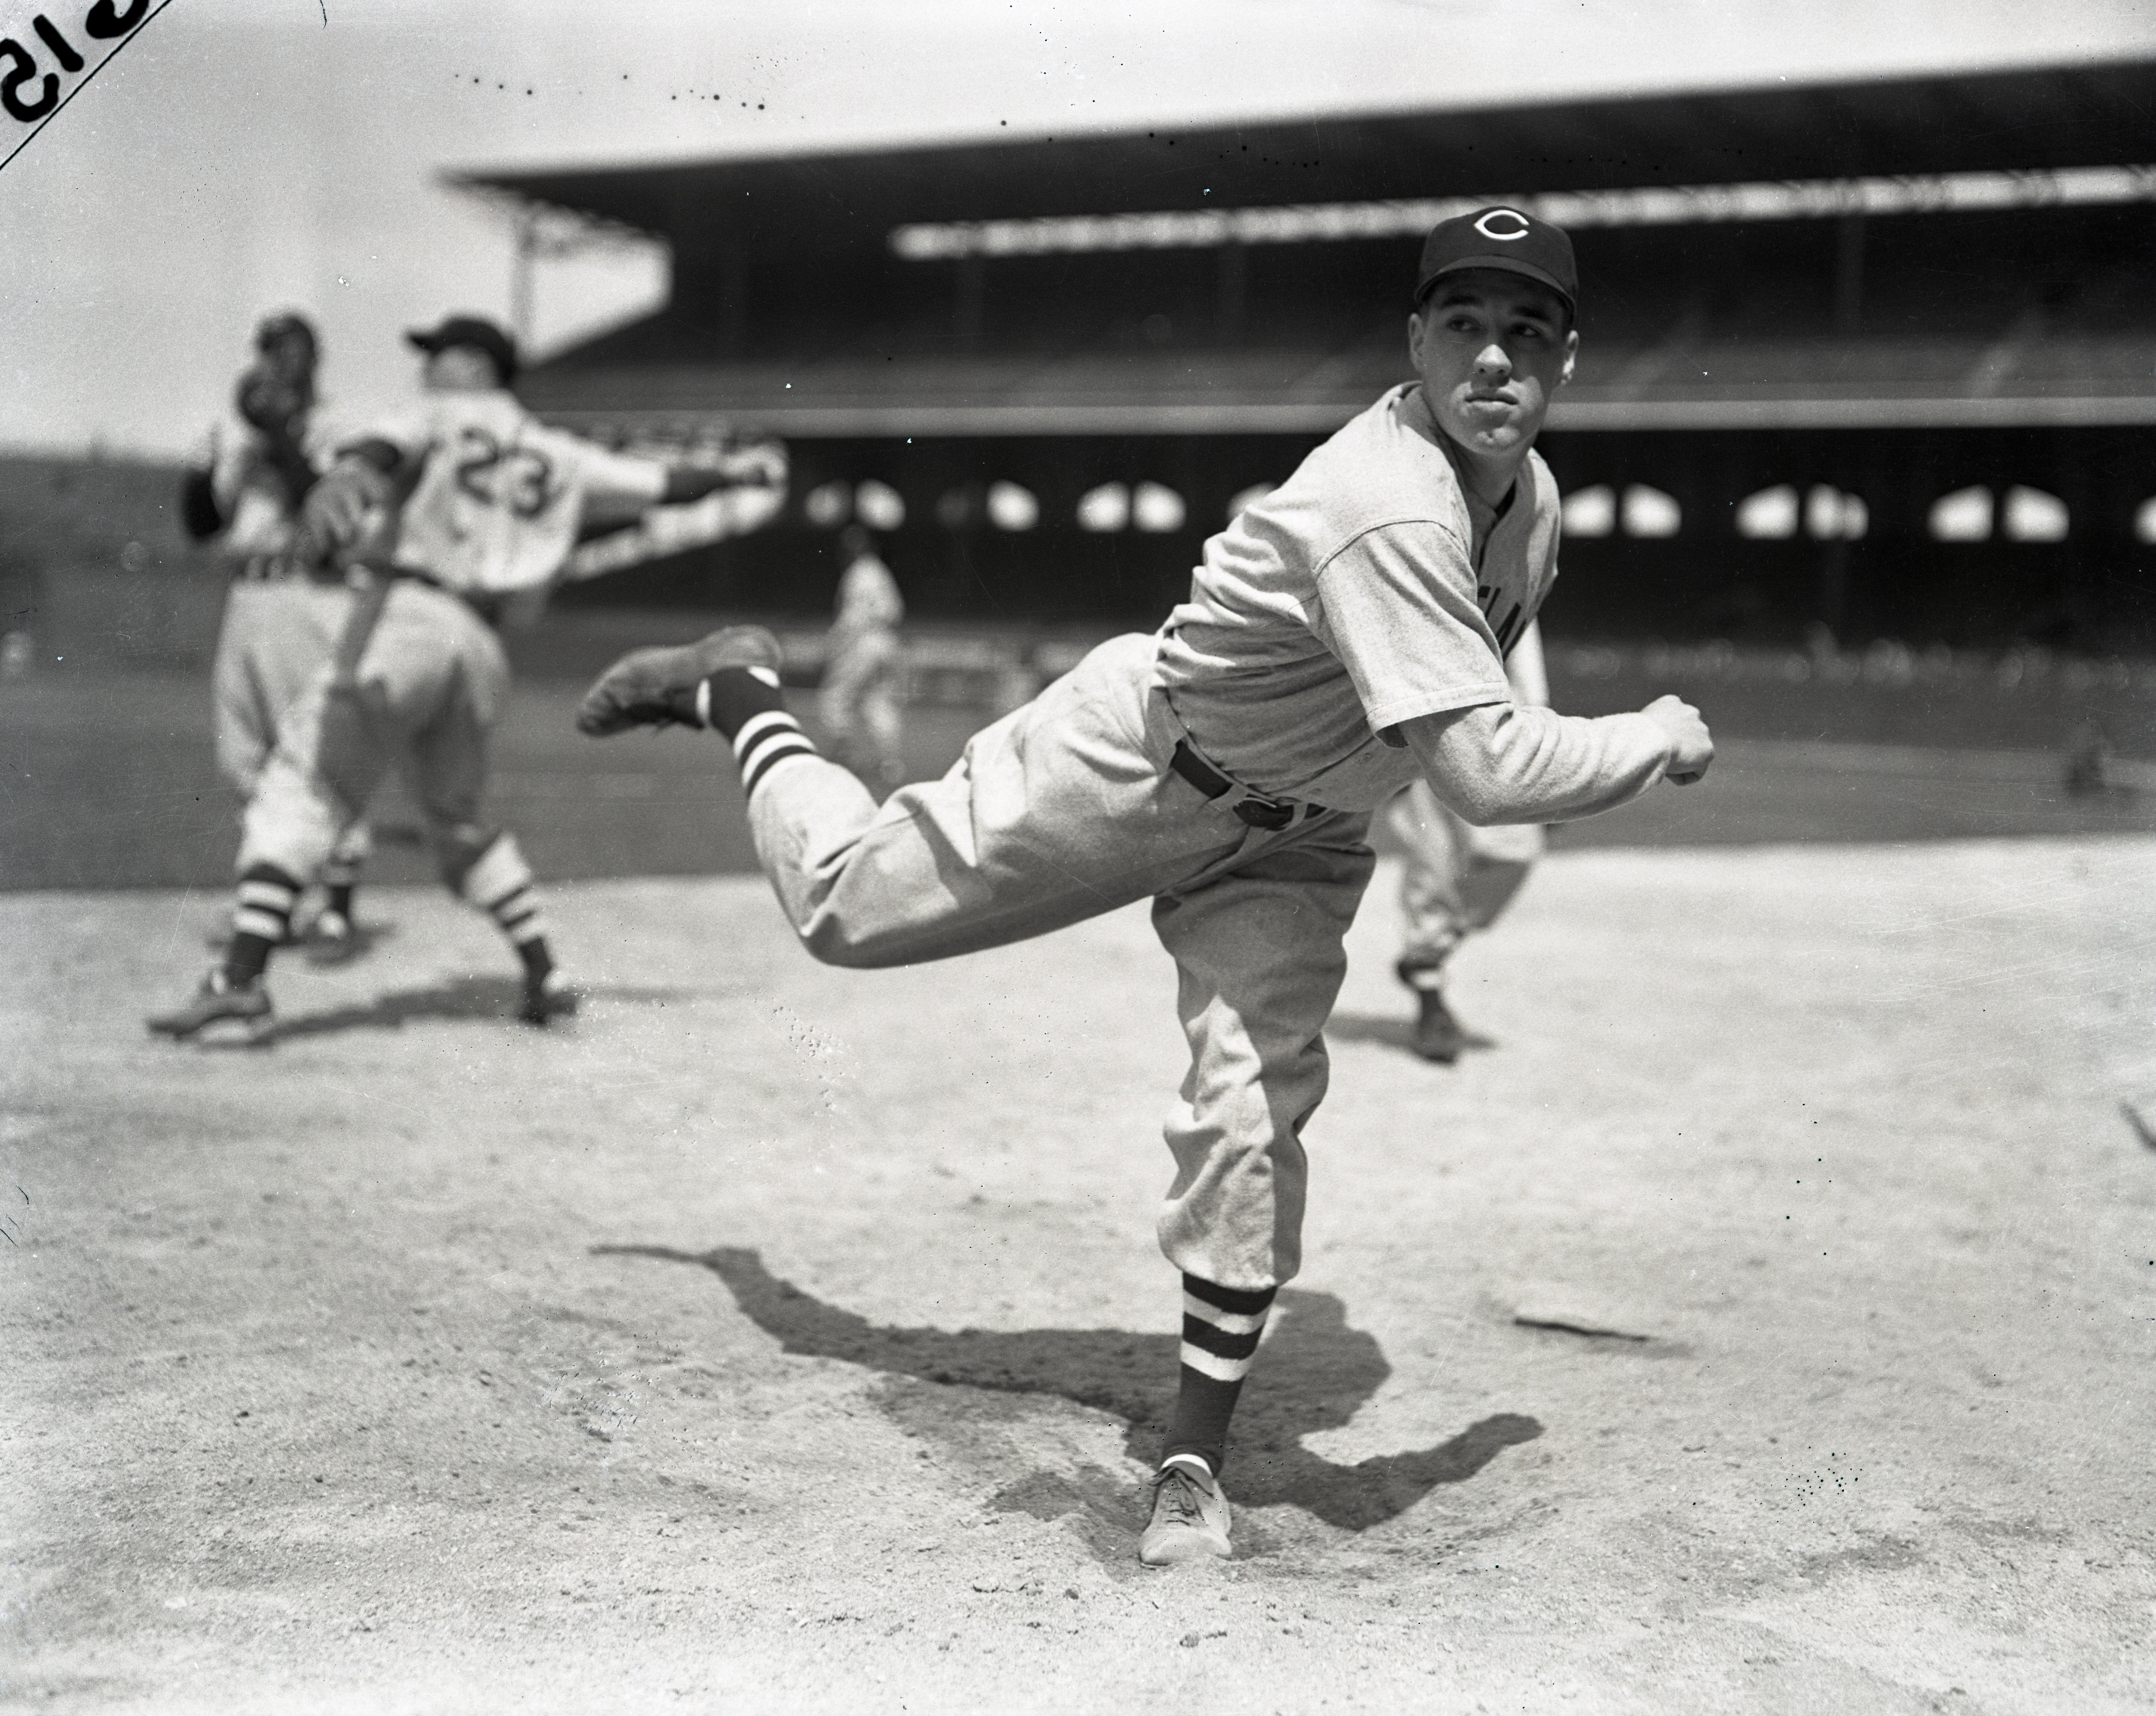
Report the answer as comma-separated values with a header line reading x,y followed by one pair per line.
x,y
1392,1032
1314,1374
459,997
365,938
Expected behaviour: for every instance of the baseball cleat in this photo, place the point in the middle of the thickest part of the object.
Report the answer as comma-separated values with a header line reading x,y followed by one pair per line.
x,y
551,997
218,1003
657,687
1190,1519
331,939
1438,1035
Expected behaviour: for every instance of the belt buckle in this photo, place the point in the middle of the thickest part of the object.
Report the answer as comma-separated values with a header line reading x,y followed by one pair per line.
x,y
1263,813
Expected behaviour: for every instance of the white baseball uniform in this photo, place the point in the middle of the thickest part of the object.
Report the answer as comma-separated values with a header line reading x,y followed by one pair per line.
x,y
862,669
281,621
489,505
1226,769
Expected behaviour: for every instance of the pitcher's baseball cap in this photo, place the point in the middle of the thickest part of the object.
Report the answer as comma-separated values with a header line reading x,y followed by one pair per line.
x,y
1502,238
475,330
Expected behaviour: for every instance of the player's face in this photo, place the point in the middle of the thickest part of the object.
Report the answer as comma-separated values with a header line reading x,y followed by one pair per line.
x,y
290,357
459,369
1491,347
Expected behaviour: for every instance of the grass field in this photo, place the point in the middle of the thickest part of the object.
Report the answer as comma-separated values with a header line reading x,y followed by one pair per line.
x,y
110,783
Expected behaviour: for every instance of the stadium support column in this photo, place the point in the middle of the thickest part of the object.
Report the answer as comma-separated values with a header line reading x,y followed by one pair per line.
x,y
733,298
1230,281
970,305
1849,273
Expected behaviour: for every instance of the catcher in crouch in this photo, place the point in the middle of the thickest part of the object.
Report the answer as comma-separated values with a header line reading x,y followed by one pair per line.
x,y
1343,636
456,510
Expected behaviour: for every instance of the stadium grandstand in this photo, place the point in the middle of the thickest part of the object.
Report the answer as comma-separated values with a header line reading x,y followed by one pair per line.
x,y
1874,356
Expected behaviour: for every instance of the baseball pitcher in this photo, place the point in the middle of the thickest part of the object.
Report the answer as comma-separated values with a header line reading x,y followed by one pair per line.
x,y
1344,637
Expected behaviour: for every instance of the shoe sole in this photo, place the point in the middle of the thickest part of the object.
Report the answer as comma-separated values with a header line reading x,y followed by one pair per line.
x,y
731,647
223,1034
1193,1547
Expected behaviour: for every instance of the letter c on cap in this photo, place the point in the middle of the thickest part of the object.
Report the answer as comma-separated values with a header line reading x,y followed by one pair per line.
x,y
1515,225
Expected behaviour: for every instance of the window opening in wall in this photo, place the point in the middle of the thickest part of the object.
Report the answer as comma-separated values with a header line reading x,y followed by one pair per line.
x,y
828,505
1012,507
879,505
1158,508
1591,512
2034,516
1831,515
1770,516
1650,512
961,508
1961,515
1105,509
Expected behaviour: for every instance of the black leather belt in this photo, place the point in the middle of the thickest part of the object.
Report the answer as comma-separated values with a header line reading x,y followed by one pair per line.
x,y
1252,808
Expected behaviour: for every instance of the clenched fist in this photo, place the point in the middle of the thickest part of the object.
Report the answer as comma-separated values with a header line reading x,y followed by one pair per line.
x,y
1692,746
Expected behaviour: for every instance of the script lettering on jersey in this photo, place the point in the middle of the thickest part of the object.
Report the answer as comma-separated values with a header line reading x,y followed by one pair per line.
x,y
48,52
515,479
1507,630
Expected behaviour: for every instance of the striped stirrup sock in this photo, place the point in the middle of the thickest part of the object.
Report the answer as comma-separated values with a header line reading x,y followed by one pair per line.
x,y
1221,1328
261,919
746,705
502,884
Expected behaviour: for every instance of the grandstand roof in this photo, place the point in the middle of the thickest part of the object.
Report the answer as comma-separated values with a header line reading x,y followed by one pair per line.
x,y
2015,353
2050,117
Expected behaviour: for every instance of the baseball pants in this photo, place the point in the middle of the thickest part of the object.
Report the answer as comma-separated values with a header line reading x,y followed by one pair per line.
x,y
278,634
416,682
857,708
1066,809
1456,879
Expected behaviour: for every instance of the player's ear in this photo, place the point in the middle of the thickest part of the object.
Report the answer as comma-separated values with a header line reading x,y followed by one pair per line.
x,y
1414,335
1571,356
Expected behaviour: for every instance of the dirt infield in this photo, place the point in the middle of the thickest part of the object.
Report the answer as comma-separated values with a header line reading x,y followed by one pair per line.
x,y
775,1337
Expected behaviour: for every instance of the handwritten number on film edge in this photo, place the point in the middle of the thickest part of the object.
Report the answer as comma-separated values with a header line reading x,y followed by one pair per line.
x,y
103,23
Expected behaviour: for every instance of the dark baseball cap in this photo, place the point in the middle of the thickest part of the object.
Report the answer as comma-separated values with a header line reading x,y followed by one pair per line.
x,y
474,331
285,325
1500,237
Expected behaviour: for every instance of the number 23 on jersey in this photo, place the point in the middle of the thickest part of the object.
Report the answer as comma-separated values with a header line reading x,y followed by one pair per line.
x,y
516,480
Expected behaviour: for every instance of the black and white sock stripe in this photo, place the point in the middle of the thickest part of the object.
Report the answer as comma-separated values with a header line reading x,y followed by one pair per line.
x,y
1221,1328
518,914
264,904
765,741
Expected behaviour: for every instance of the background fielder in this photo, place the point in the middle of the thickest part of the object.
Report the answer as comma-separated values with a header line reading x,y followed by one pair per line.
x,y
281,617
862,668
1456,878
1343,635
459,509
